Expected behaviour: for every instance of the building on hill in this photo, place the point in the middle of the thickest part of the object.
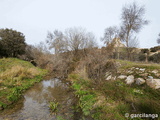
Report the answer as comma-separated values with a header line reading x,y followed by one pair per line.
x,y
118,50
115,48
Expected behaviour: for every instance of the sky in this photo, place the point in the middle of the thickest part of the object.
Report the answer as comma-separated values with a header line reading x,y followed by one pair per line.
x,y
34,18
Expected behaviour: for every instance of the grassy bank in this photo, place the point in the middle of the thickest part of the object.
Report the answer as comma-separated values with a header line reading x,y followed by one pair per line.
x,y
128,64
111,100
16,76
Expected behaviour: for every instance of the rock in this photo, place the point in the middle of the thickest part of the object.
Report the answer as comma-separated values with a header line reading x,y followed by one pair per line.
x,y
140,81
144,74
122,77
132,68
107,74
155,71
153,83
142,69
157,75
109,77
130,72
130,80
150,77
137,68
114,78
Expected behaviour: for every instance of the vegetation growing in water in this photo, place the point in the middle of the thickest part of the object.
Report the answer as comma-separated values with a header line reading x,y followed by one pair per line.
x,y
53,106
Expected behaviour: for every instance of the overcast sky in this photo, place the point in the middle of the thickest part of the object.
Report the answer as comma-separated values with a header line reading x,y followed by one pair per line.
x,y
35,17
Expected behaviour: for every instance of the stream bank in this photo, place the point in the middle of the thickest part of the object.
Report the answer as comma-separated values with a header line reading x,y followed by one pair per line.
x,y
35,103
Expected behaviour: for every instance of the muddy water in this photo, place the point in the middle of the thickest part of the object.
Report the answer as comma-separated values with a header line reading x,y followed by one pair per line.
x,y
34,104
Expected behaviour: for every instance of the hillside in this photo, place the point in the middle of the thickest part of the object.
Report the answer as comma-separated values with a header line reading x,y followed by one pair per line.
x,y
16,76
118,96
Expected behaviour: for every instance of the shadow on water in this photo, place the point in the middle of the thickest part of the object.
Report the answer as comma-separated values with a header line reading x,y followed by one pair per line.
x,y
34,104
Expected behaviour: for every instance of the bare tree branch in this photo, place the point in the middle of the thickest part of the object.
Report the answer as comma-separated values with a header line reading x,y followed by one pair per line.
x,y
132,21
110,34
56,41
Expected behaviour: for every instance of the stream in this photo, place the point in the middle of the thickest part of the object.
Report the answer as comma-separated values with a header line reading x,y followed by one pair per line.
x,y
35,103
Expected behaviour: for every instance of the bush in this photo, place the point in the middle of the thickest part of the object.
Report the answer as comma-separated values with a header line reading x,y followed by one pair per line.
x,y
155,58
142,57
12,43
155,49
98,67
144,50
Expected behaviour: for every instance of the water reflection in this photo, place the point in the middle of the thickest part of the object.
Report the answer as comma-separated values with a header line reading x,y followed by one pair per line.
x,y
36,101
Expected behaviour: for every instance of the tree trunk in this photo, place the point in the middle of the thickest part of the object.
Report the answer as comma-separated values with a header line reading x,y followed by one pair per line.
x,y
127,45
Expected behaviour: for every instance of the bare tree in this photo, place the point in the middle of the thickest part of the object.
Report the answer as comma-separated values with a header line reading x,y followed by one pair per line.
x,y
73,39
132,22
110,34
56,41
79,39
133,42
111,39
42,47
158,40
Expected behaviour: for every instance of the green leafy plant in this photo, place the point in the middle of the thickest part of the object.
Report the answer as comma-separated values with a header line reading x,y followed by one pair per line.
x,y
86,99
86,103
16,93
3,105
53,106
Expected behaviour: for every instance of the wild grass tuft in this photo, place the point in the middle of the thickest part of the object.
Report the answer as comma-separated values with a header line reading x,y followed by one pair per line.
x,y
19,72
53,106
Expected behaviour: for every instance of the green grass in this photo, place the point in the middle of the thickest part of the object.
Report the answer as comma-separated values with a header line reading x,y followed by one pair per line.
x,y
7,63
86,97
53,106
128,64
110,100
16,76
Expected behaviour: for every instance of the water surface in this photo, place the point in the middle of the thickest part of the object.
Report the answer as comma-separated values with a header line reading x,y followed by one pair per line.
x,y
34,104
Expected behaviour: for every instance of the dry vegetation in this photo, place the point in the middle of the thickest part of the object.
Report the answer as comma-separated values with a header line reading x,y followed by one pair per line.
x,y
74,56
105,100
19,72
100,99
15,77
